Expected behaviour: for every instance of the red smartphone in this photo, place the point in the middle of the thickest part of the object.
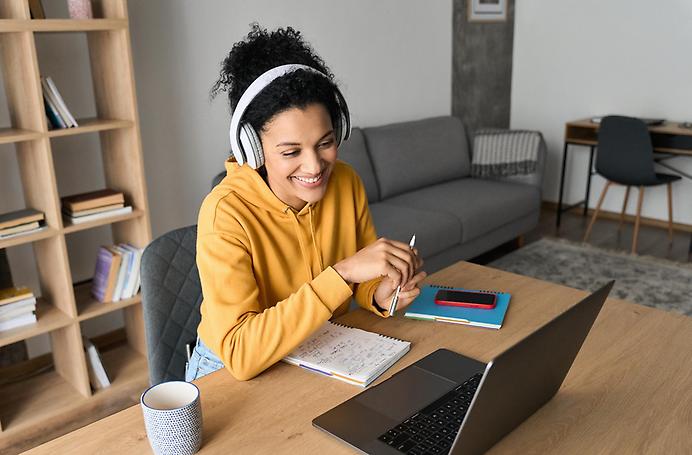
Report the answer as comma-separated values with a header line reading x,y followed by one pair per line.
x,y
470,299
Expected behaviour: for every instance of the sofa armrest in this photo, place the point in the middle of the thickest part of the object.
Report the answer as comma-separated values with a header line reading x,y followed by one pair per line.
x,y
536,178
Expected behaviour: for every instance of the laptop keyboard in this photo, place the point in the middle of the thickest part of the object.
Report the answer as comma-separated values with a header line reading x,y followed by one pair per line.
x,y
432,430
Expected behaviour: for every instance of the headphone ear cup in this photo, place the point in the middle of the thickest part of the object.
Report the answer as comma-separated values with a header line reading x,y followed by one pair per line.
x,y
252,146
245,146
338,130
342,132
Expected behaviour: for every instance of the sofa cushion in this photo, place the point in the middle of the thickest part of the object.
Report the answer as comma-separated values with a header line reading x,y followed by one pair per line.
x,y
353,152
410,155
481,205
435,231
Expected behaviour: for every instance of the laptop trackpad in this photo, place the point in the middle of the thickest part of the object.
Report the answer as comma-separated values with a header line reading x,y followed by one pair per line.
x,y
405,393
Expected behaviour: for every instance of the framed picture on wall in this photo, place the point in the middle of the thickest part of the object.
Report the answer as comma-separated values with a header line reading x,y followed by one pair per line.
x,y
487,10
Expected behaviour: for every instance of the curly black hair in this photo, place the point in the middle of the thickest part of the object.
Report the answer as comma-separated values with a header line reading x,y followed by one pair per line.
x,y
262,50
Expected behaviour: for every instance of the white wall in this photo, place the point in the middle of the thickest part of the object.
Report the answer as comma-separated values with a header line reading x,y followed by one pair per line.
x,y
578,58
392,57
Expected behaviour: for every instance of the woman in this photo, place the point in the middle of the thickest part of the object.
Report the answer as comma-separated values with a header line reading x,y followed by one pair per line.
x,y
286,239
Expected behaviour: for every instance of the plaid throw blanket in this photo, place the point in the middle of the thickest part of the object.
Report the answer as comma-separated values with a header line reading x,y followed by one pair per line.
x,y
501,153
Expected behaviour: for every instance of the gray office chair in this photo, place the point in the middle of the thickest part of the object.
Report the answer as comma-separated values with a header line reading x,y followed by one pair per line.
x,y
217,178
171,297
626,157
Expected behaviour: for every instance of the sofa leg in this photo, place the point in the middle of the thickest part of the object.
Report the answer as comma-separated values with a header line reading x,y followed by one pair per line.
x,y
521,241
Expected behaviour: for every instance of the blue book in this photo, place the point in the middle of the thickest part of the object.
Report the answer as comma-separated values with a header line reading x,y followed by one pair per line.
x,y
425,308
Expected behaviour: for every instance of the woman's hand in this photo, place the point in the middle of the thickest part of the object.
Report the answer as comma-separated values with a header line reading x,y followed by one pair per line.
x,y
383,258
409,291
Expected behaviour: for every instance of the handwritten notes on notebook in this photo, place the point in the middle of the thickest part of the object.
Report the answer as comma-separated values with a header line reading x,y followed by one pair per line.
x,y
348,354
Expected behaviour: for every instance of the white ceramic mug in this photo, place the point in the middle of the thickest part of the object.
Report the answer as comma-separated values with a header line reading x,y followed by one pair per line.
x,y
173,417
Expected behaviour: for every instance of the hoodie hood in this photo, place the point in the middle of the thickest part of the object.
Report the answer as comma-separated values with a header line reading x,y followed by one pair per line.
x,y
251,187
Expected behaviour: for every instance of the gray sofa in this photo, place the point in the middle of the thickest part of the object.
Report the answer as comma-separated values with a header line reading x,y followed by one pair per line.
x,y
417,177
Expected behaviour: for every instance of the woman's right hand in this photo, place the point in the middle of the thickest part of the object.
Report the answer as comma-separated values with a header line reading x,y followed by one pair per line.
x,y
384,257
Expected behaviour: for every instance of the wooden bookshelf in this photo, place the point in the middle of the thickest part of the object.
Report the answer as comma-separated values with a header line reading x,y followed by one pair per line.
x,y
41,407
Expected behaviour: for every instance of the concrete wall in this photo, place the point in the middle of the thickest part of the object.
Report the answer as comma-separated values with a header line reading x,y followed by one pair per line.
x,y
482,69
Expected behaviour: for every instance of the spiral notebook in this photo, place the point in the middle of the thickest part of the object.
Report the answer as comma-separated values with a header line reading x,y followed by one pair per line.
x,y
348,354
424,307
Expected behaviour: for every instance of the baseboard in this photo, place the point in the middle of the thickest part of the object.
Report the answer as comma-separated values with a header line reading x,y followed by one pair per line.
x,y
549,205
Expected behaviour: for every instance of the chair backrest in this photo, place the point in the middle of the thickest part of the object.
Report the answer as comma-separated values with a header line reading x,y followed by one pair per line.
x,y
171,297
625,154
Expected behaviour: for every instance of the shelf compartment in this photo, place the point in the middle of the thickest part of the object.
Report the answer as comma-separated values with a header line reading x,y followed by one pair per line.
x,y
127,371
35,400
28,238
89,307
11,135
69,227
61,25
48,401
90,125
49,318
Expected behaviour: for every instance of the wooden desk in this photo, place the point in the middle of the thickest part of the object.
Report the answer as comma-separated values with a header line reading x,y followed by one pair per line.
x,y
669,139
629,391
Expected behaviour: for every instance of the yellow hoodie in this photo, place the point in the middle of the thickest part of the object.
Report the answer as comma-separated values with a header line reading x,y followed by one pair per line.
x,y
266,269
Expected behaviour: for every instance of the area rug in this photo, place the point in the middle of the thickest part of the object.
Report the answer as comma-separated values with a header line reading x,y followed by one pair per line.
x,y
649,281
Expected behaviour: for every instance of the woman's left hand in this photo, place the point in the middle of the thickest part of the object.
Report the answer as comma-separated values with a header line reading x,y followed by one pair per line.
x,y
409,291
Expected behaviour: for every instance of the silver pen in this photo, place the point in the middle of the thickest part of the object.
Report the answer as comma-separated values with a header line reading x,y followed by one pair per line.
x,y
395,300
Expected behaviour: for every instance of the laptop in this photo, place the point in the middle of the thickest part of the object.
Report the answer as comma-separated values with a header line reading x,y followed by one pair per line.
x,y
449,403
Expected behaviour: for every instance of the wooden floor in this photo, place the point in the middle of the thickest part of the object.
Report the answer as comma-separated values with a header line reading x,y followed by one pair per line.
x,y
653,241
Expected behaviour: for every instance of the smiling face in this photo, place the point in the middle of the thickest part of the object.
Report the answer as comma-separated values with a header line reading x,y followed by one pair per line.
x,y
299,154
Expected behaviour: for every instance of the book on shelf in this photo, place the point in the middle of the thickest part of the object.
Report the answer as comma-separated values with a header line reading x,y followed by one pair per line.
x,y
92,199
20,229
18,234
116,274
105,274
56,101
17,308
97,373
13,294
19,321
85,212
19,217
126,256
133,276
54,119
98,216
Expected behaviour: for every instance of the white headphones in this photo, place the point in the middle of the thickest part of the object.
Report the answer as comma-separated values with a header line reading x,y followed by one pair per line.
x,y
245,142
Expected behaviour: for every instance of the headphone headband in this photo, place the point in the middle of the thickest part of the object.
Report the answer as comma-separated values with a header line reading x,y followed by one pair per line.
x,y
260,84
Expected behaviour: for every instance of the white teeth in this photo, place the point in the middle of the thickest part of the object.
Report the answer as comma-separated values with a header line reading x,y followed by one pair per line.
x,y
312,180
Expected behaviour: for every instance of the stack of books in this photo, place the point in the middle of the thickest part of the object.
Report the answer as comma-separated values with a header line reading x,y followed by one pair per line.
x,y
84,207
17,308
20,222
116,275
57,112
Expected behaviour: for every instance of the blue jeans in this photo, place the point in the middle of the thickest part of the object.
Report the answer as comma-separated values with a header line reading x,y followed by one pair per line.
x,y
202,362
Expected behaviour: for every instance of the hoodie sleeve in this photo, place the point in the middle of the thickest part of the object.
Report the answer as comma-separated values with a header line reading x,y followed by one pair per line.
x,y
247,338
365,235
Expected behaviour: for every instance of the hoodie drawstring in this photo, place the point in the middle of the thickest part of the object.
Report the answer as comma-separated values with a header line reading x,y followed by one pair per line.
x,y
296,227
314,242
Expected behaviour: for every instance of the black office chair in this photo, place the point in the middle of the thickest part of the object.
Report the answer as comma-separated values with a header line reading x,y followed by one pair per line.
x,y
626,157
